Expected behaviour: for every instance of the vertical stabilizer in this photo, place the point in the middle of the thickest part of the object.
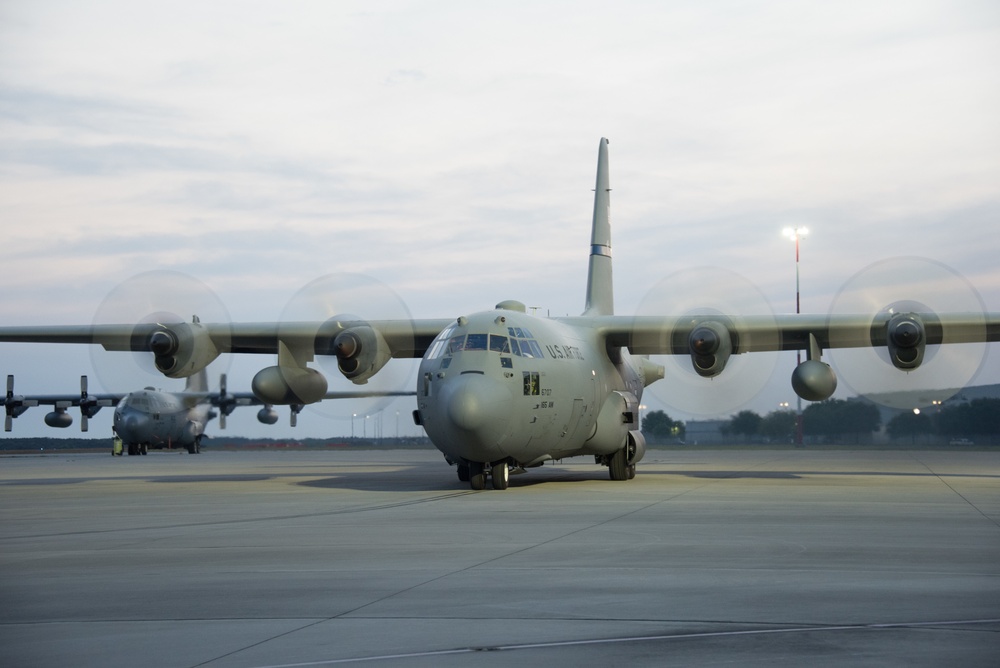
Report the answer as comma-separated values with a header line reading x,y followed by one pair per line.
x,y
600,292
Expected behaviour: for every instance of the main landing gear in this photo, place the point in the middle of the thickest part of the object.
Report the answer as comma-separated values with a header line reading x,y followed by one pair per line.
x,y
618,466
475,474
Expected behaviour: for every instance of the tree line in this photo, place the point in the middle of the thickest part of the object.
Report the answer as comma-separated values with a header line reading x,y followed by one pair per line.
x,y
848,421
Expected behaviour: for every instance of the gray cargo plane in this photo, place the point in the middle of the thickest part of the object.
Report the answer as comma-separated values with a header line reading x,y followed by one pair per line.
x,y
156,419
505,389
146,418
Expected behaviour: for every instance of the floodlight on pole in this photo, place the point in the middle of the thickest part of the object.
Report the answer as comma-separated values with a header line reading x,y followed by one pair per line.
x,y
796,233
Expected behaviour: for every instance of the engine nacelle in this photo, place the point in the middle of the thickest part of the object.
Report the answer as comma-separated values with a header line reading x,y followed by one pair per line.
x,y
814,380
906,340
361,352
181,350
267,415
288,385
59,418
711,345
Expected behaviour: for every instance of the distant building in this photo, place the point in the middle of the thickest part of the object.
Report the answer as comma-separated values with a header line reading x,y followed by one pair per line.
x,y
704,432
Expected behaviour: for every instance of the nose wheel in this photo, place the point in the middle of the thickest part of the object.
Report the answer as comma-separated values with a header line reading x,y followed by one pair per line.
x,y
500,474
475,474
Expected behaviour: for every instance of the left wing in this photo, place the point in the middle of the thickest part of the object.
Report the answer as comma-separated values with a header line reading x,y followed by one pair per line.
x,y
16,404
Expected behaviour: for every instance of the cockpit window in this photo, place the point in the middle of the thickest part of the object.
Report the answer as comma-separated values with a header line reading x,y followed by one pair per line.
x,y
437,347
476,342
530,348
523,344
456,344
499,344
518,343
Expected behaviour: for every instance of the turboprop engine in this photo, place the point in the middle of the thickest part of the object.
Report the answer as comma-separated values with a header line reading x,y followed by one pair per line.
x,y
711,345
905,336
181,349
361,352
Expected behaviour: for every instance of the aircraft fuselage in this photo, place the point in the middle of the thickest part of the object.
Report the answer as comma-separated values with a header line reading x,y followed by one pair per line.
x,y
507,386
159,420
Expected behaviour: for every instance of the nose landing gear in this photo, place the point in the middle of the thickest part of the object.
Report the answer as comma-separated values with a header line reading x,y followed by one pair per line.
x,y
475,474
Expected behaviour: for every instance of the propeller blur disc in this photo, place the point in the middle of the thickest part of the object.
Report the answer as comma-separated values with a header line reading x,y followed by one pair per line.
x,y
901,285
159,296
349,297
708,291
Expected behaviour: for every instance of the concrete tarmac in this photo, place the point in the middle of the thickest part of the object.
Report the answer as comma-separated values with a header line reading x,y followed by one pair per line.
x,y
707,557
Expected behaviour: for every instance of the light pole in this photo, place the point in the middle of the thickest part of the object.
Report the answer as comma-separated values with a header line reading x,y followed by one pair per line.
x,y
796,233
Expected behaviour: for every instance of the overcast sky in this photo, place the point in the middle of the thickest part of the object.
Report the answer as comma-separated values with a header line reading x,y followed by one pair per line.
x,y
448,149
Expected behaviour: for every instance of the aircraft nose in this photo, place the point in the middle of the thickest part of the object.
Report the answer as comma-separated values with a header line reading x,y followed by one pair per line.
x,y
132,426
479,408
470,401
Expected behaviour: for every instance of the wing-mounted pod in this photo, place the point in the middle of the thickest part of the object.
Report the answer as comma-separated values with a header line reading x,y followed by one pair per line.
x,y
814,380
290,381
58,417
267,415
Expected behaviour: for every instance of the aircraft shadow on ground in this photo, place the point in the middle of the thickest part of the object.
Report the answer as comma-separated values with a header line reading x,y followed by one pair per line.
x,y
422,479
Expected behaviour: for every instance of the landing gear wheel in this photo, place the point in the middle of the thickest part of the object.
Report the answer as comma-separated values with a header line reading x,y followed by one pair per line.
x,y
500,473
631,471
618,466
477,476
463,472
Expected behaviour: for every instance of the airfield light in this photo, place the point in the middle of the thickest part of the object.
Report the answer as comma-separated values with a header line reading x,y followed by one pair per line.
x,y
916,411
796,233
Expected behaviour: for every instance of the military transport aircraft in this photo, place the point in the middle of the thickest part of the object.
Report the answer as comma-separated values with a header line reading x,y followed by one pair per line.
x,y
146,418
152,418
507,389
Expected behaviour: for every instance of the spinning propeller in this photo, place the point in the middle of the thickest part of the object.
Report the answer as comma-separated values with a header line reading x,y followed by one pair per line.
x,y
911,305
722,313
344,304
154,297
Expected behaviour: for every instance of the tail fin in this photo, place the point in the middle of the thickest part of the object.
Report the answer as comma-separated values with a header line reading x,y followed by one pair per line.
x,y
197,383
600,289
